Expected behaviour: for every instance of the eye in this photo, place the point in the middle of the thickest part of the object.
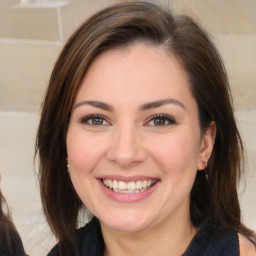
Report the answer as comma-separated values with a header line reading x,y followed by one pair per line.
x,y
160,120
95,120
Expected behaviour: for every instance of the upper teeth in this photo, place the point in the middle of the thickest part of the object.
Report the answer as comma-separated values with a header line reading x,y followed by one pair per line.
x,y
132,185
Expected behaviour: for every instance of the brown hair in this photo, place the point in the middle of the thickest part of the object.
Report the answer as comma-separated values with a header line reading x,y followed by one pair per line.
x,y
120,26
10,242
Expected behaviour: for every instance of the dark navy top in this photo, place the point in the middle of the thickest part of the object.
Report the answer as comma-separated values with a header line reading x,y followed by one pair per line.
x,y
209,241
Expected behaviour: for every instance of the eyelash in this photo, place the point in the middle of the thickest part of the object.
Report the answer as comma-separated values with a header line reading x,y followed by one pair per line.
x,y
89,120
163,117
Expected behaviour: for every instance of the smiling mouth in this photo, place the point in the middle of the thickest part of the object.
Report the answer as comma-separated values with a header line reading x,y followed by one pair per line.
x,y
131,187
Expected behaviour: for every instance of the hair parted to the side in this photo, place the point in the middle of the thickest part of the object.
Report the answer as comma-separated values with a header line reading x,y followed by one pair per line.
x,y
122,25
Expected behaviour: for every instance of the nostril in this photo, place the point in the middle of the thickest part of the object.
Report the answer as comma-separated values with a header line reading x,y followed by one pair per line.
x,y
125,158
126,148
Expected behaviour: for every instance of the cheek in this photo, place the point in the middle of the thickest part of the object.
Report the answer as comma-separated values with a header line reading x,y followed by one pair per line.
x,y
178,159
177,154
84,151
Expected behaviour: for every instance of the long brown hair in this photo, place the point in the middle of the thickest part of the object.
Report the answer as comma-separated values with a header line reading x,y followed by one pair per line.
x,y
10,242
120,26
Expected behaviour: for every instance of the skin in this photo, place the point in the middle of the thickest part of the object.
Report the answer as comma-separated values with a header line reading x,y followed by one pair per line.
x,y
247,248
126,141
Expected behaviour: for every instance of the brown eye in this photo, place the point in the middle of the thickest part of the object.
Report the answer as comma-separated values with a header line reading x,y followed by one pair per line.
x,y
96,120
160,120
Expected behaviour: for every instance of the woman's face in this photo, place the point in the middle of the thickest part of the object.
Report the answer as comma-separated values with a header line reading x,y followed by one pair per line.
x,y
134,143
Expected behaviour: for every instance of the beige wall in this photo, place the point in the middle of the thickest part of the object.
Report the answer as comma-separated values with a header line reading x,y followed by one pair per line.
x,y
31,36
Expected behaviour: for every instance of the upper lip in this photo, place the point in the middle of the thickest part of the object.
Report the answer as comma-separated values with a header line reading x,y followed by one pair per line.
x,y
127,178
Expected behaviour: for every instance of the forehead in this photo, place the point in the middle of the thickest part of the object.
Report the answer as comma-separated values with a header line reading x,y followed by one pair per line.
x,y
137,70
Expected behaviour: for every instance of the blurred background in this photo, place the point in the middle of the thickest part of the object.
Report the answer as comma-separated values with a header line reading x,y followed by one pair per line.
x,y
32,33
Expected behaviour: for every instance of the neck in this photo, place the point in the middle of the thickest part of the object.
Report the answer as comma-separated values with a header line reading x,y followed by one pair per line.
x,y
172,236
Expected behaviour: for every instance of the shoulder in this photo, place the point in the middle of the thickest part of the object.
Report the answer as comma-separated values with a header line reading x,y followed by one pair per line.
x,y
247,248
88,240
213,240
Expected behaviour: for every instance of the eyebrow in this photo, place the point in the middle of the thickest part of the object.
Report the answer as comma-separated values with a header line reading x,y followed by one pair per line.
x,y
144,107
159,103
97,104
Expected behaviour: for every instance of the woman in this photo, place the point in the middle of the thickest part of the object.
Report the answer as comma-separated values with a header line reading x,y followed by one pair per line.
x,y
10,241
137,126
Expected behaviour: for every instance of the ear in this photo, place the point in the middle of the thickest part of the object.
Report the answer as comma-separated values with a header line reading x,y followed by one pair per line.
x,y
206,146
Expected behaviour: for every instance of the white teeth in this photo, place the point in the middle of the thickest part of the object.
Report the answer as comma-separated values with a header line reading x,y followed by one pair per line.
x,y
131,187
115,184
139,184
109,184
122,185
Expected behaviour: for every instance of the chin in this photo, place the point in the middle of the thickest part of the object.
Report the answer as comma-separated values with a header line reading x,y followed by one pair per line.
x,y
126,227
127,223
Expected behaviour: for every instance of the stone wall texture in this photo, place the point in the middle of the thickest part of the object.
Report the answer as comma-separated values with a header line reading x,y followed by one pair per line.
x,y
32,33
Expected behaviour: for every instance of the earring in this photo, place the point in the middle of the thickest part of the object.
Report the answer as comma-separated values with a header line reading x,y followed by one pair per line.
x,y
206,175
204,165
67,165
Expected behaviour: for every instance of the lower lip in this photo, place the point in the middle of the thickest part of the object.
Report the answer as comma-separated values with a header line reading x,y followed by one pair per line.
x,y
127,197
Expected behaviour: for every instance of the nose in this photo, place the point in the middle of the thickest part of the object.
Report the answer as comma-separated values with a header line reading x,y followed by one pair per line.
x,y
126,148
